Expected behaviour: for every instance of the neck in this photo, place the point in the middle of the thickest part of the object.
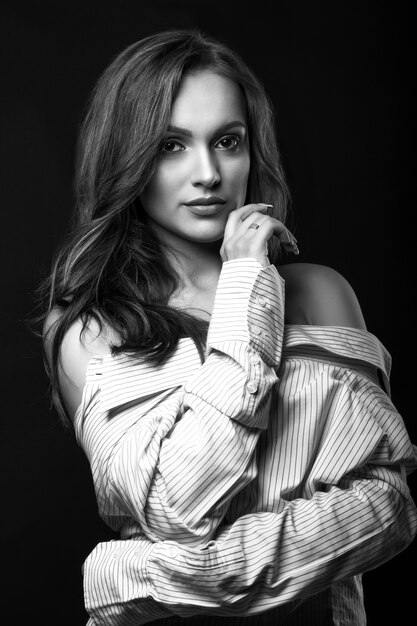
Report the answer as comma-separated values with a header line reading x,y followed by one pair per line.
x,y
198,277
197,265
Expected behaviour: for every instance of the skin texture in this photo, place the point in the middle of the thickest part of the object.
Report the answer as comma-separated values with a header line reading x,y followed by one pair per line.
x,y
212,158
206,154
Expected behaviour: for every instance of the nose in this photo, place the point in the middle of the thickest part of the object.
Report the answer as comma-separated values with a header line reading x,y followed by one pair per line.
x,y
206,172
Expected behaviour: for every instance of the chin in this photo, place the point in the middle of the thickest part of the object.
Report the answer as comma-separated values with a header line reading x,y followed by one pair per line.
x,y
207,238
205,235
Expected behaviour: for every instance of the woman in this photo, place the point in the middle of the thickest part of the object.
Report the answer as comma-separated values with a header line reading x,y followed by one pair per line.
x,y
234,408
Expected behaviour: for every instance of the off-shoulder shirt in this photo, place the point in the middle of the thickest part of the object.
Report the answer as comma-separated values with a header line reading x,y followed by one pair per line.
x,y
252,488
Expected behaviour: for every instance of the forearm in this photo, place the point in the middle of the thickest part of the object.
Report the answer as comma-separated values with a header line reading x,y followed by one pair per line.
x,y
353,509
289,555
273,557
190,455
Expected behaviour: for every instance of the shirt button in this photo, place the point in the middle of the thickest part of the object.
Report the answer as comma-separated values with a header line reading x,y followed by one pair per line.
x,y
262,301
254,359
252,388
172,552
256,330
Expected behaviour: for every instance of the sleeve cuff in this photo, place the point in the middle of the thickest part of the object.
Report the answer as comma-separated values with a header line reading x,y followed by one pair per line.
x,y
249,308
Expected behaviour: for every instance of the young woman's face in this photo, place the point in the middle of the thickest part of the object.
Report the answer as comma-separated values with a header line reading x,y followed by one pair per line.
x,y
203,173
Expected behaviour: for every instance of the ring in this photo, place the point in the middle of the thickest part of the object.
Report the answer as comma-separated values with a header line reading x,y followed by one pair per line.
x,y
254,225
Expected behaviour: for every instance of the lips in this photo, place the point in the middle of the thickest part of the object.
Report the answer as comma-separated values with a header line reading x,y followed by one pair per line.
x,y
206,201
206,206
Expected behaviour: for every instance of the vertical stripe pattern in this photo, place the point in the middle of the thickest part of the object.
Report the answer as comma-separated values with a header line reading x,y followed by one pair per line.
x,y
253,488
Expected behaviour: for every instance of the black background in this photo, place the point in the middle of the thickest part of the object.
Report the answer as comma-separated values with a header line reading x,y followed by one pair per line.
x,y
342,78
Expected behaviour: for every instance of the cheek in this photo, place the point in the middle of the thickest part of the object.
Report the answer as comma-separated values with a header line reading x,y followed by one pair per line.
x,y
159,187
239,174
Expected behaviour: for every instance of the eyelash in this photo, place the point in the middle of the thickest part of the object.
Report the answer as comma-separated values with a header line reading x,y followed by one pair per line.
x,y
236,139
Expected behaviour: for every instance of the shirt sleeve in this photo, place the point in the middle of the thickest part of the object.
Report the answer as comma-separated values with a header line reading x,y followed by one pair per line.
x,y
358,515
176,469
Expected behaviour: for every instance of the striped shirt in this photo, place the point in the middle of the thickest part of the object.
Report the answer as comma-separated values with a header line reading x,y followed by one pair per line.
x,y
253,488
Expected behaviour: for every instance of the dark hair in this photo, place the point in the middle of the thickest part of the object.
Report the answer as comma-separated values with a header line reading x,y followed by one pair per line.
x,y
111,267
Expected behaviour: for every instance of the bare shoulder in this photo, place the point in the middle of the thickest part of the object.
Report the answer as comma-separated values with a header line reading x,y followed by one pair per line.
x,y
320,296
78,346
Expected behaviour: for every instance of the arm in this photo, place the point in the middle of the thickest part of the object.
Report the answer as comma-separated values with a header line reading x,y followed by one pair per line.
x,y
355,513
176,469
359,515
167,469
166,466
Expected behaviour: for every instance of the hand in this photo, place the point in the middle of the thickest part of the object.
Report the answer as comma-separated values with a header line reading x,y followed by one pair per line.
x,y
247,232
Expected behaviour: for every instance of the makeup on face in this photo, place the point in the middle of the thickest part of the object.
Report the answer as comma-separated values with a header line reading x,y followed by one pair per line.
x,y
203,172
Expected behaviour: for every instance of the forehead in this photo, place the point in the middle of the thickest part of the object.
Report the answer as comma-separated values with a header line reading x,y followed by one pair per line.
x,y
206,99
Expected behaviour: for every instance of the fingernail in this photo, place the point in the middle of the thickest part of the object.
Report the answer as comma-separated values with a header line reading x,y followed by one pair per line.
x,y
268,206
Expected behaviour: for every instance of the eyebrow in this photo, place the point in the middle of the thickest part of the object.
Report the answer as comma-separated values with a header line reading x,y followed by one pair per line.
x,y
188,133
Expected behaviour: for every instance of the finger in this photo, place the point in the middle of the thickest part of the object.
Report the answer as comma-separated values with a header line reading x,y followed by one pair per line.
x,y
253,219
250,209
288,241
241,214
237,217
269,226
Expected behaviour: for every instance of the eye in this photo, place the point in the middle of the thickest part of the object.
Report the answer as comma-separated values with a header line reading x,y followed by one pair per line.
x,y
229,142
171,145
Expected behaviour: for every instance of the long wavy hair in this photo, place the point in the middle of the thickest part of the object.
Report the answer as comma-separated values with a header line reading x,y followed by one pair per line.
x,y
111,267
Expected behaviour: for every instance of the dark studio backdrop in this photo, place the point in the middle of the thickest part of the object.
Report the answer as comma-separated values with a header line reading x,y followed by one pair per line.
x,y
341,75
